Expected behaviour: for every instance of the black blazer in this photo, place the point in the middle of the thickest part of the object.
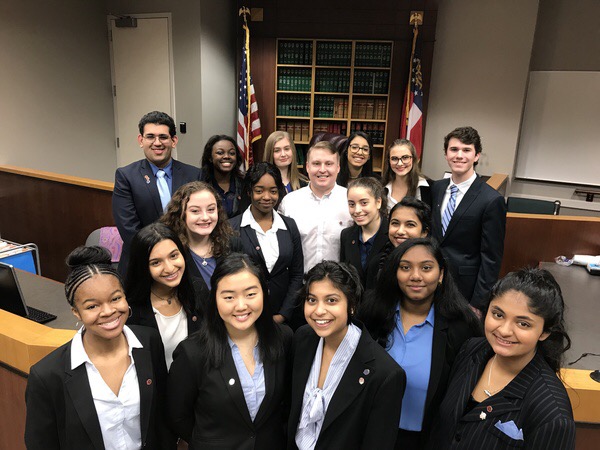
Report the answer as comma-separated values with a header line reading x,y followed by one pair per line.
x,y
350,252
136,202
60,408
535,400
359,416
285,280
207,408
474,240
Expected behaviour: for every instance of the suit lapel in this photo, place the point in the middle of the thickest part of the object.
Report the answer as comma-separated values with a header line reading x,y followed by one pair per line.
x,y
349,388
465,203
381,238
303,360
229,373
438,356
177,176
438,193
251,236
78,387
284,240
143,367
150,181
270,372
353,255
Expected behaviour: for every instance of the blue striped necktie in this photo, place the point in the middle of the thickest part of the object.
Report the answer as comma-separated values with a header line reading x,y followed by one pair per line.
x,y
163,188
450,207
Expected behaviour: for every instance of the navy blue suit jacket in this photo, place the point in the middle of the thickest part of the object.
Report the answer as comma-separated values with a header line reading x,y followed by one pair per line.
x,y
474,240
136,202
535,400
285,280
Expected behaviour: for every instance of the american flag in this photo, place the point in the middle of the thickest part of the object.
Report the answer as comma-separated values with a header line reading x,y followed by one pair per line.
x,y
248,130
411,125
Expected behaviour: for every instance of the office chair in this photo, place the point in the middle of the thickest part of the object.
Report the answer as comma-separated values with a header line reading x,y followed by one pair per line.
x,y
109,238
532,206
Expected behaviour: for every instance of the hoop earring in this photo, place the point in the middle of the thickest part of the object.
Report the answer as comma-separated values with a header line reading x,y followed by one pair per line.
x,y
130,312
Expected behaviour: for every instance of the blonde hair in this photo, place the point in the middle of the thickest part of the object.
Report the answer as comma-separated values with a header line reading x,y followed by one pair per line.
x,y
293,174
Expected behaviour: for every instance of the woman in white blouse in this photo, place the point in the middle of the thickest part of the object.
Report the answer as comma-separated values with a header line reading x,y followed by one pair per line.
x,y
160,289
346,390
104,388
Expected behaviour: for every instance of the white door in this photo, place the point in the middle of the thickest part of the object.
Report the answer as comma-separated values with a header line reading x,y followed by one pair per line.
x,y
142,75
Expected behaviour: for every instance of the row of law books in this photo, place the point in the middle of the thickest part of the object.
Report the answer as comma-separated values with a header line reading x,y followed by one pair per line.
x,y
373,54
294,79
334,53
298,129
331,106
295,52
332,80
369,108
330,127
296,105
375,130
370,82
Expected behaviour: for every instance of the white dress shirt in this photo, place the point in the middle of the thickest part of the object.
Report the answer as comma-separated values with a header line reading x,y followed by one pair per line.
x,y
462,190
269,245
119,416
320,222
391,201
173,329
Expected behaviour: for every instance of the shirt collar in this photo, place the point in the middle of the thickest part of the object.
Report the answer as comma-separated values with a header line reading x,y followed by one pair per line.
x,y
465,185
430,319
79,355
249,220
168,169
335,188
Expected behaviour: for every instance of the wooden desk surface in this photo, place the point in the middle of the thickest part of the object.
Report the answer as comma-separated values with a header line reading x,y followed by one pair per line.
x,y
24,342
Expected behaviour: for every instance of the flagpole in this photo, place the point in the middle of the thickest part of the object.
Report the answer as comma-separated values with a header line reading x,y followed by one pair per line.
x,y
416,19
243,12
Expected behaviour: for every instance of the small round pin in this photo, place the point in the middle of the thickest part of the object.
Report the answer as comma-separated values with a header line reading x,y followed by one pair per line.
x,y
149,381
361,380
366,372
231,381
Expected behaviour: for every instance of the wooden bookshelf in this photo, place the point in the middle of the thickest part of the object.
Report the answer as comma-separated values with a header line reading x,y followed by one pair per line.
x,y
333,85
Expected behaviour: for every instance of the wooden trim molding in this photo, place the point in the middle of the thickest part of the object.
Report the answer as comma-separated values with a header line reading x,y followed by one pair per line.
x,y
51,176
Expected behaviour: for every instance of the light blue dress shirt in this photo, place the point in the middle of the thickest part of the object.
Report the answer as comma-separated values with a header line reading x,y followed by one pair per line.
x,y
253,386
413,352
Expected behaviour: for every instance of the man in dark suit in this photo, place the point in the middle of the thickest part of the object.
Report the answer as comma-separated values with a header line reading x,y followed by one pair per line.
x,y
143,188
469,218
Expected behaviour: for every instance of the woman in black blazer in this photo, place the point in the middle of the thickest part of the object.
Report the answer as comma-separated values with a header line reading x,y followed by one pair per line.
x,y
227,382
263,189
72,393
504,391
197,215
362,244
160,288
346,391
417,314
401,175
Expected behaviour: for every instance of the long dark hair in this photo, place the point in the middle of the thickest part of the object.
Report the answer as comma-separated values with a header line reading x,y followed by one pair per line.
x,y
253,176
208,168
139,281
213,336
545,300
366,170
378,311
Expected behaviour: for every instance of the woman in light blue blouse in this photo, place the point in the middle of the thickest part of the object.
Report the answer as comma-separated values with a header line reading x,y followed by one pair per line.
x,y
227,381
346,391
417,314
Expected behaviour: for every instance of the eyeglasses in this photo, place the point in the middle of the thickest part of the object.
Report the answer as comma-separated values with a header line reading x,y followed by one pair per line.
x,y
405,159
357,148
161,137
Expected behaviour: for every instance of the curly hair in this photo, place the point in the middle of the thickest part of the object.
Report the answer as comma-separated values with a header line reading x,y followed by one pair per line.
x,y
175,217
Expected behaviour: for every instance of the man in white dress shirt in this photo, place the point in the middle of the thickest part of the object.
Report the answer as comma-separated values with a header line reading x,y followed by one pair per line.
x,y
321,208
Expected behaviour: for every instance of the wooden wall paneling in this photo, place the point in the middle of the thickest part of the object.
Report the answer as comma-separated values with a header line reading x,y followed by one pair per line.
x,y
531,238
56,216
12,410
